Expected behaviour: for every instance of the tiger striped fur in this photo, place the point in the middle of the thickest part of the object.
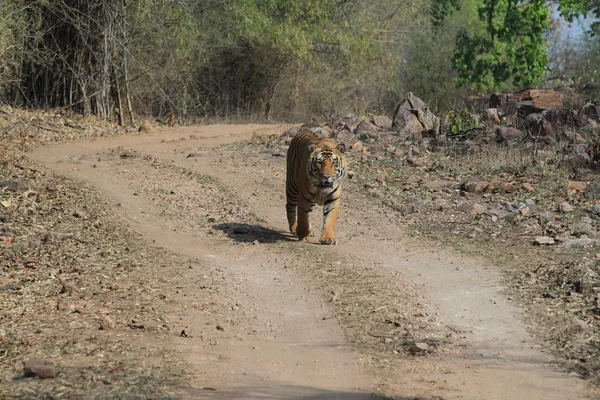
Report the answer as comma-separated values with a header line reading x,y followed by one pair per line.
x,y
316,167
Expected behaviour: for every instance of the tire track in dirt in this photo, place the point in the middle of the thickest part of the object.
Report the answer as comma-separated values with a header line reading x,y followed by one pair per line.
x,y
489,356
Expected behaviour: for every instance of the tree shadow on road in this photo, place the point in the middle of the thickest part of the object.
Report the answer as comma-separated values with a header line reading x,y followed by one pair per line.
x,y
294,392
247,233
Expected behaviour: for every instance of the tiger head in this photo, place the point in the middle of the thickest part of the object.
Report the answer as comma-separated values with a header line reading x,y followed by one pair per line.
x,y
327,166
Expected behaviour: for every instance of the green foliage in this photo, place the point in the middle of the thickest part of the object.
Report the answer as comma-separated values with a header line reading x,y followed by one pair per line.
x,y
511,50
441,9
462,120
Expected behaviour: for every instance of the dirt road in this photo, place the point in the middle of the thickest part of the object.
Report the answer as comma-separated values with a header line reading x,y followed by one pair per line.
x,y
286,320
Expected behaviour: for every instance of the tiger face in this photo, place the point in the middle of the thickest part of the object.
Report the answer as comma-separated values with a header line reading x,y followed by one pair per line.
x,y
326,168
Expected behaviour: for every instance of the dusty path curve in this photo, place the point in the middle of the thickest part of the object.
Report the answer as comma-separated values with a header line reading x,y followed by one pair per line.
x,y
279,340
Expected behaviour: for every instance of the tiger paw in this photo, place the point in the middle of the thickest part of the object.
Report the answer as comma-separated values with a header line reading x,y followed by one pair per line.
x,y
330,241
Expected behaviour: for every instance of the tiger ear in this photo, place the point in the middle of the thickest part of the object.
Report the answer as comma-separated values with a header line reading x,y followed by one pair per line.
x,y
311,147
341,147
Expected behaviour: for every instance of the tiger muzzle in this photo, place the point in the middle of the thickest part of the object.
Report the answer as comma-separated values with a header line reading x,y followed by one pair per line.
x,y
326,182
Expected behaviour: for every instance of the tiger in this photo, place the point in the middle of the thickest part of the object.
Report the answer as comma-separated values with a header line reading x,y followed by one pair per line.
x,y
316,167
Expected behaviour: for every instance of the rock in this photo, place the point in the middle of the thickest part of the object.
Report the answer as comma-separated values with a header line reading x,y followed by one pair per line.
x,y
528,186
40,369
80,214
543,241
508,187
565,207
577,158
289,133
584,242
539,98
146,126
588,115
575,137
582,229
531,224
107,323
540,128
358,147
347,123
492,115
500,214
422,346
366,130
575,186
194,154
530,204
13,186
554,227
592,190
472,209
382,122
534,171
596,209
475,184
412,116
508,135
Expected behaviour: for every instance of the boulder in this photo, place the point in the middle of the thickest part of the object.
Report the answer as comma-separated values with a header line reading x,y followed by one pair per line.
x,y
509,135
588,115
383,122
366,130
412,116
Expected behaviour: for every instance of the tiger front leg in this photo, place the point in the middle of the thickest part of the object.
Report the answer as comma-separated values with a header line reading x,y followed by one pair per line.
x,y
331,210
291,217
303,225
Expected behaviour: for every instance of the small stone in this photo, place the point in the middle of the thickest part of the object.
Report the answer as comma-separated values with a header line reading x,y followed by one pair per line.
x,y
596,209
13,186
40,369
575,186
422,346
492,114
528,186
358,147
565,207
473,209
383,122
583,242
508,187
475,184
543,240
351,174
80,214
68,288
592,190
107,323
145,127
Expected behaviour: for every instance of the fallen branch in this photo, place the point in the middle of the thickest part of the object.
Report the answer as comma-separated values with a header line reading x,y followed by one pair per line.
x,y
48,129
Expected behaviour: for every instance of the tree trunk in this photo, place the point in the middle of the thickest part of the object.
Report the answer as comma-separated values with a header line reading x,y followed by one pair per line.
x,y
124,65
